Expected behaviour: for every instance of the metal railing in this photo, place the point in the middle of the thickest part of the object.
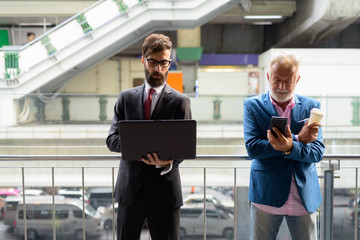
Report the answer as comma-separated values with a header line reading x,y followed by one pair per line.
x,y
329,165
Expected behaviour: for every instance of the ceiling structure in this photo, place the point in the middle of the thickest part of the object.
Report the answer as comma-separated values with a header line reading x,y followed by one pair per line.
x,y
19,12
258,12
251,26
286,23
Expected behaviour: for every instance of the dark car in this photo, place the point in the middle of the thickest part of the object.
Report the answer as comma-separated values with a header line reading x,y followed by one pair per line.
x,y
100,197
350,212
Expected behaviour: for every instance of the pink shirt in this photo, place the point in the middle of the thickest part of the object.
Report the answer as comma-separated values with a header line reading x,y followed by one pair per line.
x,y
293,206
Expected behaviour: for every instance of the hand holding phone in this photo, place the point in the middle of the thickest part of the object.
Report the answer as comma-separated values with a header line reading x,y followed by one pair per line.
x,y
280,123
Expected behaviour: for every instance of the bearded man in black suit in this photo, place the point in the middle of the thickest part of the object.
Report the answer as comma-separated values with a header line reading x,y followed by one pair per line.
x,y
151,188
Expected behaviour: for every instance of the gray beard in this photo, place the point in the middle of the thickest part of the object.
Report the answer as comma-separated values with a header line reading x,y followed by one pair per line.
x,y
273,95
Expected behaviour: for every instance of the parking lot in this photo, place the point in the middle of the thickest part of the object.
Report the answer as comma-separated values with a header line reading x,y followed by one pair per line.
x,y
194,227
7,233
343,224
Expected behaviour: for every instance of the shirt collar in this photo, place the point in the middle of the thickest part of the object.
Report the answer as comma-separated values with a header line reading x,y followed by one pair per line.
x,y
157,89
291,104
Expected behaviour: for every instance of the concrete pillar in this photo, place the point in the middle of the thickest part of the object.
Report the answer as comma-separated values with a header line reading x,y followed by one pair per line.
x,y
189,76
189,52
7,111
189,37
65,108
40,115
102,103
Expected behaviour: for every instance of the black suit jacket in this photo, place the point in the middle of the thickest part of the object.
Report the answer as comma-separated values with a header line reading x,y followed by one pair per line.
x,y
163,191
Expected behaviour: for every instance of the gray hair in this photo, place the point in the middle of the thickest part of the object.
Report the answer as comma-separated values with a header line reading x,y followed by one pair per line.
x,y
286,59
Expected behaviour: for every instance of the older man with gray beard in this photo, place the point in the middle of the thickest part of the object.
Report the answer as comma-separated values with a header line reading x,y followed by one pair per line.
x,y
283,177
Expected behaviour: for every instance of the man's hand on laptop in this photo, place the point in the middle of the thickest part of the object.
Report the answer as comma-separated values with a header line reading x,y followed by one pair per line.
x,y
153,159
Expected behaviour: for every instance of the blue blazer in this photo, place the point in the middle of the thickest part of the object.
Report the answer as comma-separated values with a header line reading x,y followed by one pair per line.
x,y
271,170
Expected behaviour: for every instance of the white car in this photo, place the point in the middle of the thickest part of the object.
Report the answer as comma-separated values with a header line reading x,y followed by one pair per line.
x,y
210,200
68,214
107,216
218,222
77,194
33,192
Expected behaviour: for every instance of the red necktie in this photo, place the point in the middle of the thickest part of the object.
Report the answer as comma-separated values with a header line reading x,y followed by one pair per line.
x,y
147,105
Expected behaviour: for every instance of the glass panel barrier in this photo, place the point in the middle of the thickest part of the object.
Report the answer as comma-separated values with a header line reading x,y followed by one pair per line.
x,y
47,117
103,13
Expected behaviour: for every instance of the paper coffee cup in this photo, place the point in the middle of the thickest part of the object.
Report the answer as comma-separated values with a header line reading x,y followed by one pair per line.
x,y
315,115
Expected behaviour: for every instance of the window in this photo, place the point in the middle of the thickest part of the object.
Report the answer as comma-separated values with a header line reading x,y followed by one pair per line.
x,y
190,213
212,214
11,206
43,214
78,213
62,214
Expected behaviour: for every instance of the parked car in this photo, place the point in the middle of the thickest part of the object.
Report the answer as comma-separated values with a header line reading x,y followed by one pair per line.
x,y
211,200
77,194
100,197
68,215
3,195
34,192
107,215
350,211
9,192
2,204
218,222
11,203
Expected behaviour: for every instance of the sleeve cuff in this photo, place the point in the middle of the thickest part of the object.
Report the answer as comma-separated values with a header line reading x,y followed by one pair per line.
x,y
297,138
167,169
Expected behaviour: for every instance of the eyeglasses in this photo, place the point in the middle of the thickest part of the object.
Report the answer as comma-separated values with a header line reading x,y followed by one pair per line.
x,y
153,62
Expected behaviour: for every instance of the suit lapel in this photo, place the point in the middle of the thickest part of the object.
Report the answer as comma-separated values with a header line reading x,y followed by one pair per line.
x,y
164,99
138,95
296,115
268,105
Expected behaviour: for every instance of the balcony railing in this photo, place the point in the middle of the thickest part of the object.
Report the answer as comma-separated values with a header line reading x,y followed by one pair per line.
x,y
338,217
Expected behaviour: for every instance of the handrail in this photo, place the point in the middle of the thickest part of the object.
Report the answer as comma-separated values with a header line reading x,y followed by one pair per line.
x,y
89,94
43,38
118,157
60,25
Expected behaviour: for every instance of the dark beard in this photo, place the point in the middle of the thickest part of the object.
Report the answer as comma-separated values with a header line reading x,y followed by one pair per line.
x,y
155,82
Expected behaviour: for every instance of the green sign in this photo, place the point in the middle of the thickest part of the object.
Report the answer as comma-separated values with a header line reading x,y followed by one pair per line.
x,y
4,37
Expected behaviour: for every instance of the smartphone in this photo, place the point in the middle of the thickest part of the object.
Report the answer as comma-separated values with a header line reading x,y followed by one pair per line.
x,y
280,123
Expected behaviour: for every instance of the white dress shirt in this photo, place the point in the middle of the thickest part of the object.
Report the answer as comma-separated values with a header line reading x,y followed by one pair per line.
x,y
155,98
